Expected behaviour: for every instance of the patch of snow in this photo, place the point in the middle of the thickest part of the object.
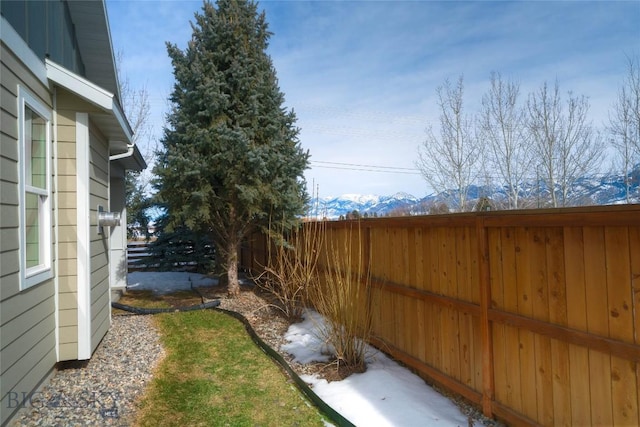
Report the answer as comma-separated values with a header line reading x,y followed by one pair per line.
x,y
359,198
305,343
404,196
167,281
387,394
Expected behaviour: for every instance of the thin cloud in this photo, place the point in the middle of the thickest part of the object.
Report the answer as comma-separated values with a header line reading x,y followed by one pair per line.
x,y
362,76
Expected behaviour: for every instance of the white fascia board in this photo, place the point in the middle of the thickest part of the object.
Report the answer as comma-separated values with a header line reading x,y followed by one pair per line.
x,y
79,85
118,113
137,156
90,92
19,47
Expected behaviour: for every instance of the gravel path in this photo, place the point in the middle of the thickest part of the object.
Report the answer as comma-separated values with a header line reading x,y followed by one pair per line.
x,y
103,391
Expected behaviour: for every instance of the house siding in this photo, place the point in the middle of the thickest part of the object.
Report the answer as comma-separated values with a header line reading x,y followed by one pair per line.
x,y
64,317
118,240
27,317
99,191
68,230
68,106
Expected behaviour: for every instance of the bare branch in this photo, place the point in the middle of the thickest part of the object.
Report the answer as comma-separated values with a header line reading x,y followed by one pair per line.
x,y
624,124
502,127
565,144
449,162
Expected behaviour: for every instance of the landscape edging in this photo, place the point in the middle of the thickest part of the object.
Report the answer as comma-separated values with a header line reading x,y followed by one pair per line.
x,y
335,416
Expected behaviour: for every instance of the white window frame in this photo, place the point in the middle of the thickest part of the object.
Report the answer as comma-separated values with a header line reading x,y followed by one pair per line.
x,y
31,276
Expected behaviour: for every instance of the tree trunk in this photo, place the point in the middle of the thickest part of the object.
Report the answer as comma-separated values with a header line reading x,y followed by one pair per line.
x,y
233,285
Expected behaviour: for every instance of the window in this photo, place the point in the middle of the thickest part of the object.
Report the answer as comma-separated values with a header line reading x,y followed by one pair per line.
x,y
35,190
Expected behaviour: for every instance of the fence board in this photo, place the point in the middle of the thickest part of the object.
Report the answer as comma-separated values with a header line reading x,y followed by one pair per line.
x,y
556,279
560,364
544,383
436,341
502,359
451,357
598,323
577,319
510,290
525,307
434,261
421,330
540,306
601,399
634,250
624,392
399,320
535,315
539,287
620,297
411,255
561,383
419,257
618,276
479,357
465,322
429,334
580,386
466,350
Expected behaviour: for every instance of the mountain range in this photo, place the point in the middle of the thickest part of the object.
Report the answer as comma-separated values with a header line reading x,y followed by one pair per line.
x,y
594,190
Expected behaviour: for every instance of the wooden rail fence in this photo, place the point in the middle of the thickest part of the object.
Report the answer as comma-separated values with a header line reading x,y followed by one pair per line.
x,y
140,257
532,315
137,253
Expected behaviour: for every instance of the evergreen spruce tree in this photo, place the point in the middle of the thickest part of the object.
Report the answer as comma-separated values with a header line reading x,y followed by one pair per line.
x,y
230,157
137,203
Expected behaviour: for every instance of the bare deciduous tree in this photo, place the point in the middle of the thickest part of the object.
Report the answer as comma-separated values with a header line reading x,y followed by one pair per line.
x,y
565,143
449,161
624,124
136,106
502,126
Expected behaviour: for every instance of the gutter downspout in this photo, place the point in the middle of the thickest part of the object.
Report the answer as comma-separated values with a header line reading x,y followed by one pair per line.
x,y
128,153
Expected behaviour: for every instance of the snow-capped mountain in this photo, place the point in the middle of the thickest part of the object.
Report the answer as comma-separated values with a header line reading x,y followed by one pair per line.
x,y
600,190
334,207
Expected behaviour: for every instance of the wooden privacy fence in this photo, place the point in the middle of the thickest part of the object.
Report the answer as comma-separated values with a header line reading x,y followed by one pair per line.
x,y
533,315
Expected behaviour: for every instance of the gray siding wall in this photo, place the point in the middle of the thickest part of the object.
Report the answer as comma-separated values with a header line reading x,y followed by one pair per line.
x,y
99,189
118,234
27,318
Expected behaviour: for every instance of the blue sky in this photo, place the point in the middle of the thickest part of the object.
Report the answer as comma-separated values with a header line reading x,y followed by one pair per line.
x,y
362,75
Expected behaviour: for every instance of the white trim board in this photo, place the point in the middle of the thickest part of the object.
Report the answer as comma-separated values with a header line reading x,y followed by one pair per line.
x,y
84,236
56,202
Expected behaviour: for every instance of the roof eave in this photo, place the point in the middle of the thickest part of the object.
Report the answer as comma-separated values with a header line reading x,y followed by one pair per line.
x,y
114,118
91,24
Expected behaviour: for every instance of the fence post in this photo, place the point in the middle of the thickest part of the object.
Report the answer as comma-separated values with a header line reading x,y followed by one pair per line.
x,y
488,386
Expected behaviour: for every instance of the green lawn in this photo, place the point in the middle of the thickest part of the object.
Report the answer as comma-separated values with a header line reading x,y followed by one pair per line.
x,y
214,375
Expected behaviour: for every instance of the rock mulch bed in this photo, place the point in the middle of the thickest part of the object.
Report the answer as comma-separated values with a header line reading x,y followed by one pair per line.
x,y
102,391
